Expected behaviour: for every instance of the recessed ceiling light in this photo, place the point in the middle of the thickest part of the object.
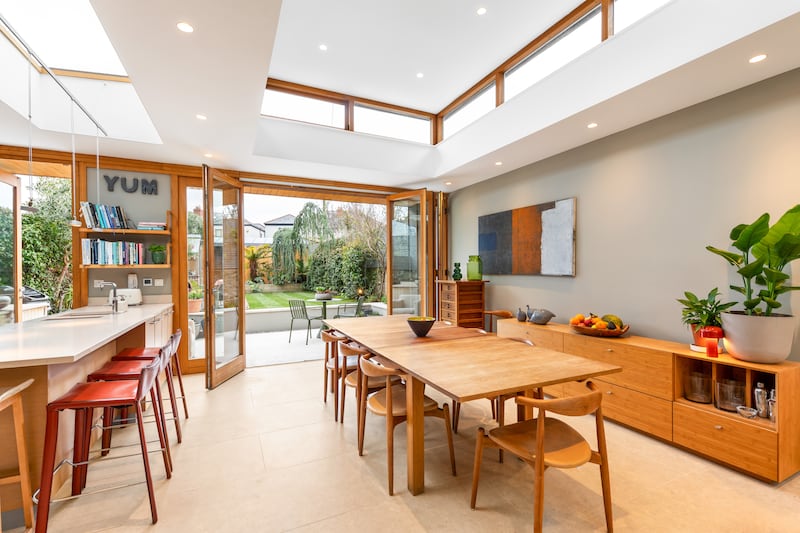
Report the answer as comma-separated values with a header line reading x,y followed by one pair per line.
x,y
481,11
185,27
448,182
200,117
323,47
758,59
420,75
498,163
591,125
208,155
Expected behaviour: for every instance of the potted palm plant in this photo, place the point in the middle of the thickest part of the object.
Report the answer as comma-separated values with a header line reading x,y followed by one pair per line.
x,y
757,333
194,297
698,313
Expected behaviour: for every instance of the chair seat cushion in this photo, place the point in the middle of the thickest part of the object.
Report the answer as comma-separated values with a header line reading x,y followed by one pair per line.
x,y
124,369
134,353
352,362
373,382
97,394
563,446
377,402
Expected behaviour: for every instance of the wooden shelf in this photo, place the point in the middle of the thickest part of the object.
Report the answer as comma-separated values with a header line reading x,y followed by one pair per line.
x,y
148,265
709,407
158,233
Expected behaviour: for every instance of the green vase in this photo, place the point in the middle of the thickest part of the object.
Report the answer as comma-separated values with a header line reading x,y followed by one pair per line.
x,y
456,271
475,268
159,257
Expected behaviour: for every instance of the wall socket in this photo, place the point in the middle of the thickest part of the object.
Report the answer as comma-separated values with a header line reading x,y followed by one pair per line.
x,y
147,282
159,282
98,284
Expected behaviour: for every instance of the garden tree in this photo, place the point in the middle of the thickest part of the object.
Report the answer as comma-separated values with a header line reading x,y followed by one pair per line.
x,y
6,246
291,246
47,242
364,227
194,223
255,256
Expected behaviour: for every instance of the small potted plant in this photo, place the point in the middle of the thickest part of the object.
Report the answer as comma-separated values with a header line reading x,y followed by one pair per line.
x,y
158,253
194,297
698,313
322,293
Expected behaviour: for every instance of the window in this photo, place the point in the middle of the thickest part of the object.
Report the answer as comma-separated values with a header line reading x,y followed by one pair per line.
x,y
470,111
286,105
391,124
626,12
571,43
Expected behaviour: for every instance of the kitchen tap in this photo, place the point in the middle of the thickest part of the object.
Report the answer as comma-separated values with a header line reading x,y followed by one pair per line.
x,y
114,297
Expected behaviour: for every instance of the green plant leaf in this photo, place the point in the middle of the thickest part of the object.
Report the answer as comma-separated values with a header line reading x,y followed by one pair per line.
x,y
731,257
748,236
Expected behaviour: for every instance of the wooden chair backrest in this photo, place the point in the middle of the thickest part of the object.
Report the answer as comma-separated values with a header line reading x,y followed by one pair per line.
x,y
580,405
150,373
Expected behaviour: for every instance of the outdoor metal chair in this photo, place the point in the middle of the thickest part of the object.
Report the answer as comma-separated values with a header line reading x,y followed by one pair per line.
x,y
351,310
299,312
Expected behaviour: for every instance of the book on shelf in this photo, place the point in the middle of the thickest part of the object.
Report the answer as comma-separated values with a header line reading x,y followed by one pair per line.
x,y
155,226
102,216
102,252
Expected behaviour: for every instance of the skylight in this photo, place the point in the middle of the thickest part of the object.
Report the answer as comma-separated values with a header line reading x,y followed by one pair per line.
x,y
65,35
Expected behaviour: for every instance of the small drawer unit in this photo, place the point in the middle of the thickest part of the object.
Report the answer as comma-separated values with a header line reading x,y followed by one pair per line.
x,y
461,302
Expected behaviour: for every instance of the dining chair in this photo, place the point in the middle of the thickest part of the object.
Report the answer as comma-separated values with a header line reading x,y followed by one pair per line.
x,y
336,366
493,314
390,402
354,380
299,312
351,310
11,398
546,441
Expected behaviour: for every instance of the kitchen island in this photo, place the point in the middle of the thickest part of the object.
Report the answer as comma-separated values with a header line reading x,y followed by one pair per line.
x,y
58,351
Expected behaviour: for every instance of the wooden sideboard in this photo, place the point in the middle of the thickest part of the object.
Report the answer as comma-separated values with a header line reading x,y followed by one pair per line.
x,y
650,395
461,302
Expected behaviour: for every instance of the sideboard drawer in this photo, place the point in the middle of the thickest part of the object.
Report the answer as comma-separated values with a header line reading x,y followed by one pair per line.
x,y
740,443
643,369
635,409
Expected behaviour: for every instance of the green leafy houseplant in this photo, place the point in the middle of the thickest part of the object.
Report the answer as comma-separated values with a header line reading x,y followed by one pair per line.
x,y
765,252
158,252
700,312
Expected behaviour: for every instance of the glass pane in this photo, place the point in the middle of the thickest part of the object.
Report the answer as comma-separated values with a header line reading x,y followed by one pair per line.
x,y
195,268
626,12
406,234
388,124
305,109
8,289
571,43
225,291
472,110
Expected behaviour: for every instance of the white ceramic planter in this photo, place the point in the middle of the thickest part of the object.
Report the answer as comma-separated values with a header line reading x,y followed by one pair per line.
x,y
758,339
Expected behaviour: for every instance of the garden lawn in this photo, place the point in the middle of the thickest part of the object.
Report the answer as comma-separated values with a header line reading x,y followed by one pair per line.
x,y
271,300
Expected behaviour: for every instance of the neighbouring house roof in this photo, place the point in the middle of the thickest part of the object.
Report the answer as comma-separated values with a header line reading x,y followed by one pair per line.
x,y
285,220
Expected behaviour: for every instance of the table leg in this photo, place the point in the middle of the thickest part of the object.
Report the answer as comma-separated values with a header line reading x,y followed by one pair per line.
x,y
415,428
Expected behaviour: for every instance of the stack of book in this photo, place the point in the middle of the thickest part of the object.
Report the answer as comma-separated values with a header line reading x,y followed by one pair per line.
x,y
156,226
103,216
100,252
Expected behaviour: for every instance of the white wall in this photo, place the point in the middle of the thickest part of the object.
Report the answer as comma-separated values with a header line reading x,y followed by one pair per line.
x,y
649,200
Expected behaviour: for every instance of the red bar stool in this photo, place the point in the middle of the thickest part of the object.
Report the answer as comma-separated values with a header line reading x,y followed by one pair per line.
x,y
84,398
152,353
12,397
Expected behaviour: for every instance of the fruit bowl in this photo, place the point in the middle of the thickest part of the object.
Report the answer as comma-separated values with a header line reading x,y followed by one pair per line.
x,y
421,325
594,332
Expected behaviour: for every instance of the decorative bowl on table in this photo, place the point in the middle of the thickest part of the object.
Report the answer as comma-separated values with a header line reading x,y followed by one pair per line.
x,y
594,332
323,296
747,412
421,325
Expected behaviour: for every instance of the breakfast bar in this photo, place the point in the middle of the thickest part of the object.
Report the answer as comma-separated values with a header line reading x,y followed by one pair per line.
x,y
58,351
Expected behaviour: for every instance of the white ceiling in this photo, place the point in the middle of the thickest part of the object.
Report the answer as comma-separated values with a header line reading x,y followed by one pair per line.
x,y
683,54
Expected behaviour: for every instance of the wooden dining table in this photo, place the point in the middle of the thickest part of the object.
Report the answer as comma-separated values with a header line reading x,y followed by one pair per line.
x,y
462,363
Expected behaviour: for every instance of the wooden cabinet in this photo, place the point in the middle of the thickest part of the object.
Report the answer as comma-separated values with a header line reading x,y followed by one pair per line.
x,y
461,302
650,395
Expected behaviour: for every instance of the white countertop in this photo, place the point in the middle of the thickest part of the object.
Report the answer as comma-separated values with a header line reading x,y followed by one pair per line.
x,y
59,339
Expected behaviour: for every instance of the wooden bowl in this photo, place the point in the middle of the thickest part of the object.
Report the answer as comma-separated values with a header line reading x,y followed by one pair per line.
x,y
594,332
421,325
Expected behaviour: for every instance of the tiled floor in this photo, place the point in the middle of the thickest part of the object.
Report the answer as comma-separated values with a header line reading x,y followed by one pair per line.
x,y
262,453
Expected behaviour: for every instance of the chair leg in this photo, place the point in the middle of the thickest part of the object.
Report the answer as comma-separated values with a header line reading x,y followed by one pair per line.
x,y
362,409
146,461
48,464
308,331
390,448
173,403
325,376
335,384
179,373
501,420
456,415
342,393
606,484
538,494
161,426
79,447
291,327
446,414
476,468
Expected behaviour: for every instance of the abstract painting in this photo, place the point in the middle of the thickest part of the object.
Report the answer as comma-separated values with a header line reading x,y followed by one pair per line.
x,y
533,240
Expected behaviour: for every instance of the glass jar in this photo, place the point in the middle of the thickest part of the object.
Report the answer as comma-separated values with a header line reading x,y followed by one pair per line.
x,y
475,268
457,272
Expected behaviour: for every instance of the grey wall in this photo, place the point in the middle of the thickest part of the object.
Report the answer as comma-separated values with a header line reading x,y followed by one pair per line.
x,y
649,200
